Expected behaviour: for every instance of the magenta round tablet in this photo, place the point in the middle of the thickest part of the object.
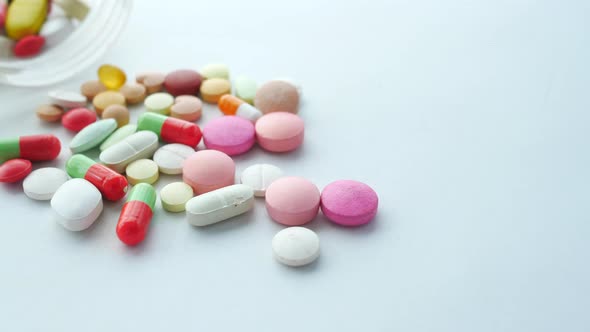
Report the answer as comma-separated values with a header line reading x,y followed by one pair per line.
x,y
208,170
230,134
279,131
15,170
349,203
292,201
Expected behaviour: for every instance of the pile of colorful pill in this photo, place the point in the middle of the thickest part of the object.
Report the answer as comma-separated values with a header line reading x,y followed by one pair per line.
x,y
28,26
165,140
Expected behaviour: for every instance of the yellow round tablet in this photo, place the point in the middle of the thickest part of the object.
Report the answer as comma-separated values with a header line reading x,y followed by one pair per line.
x,y
213,89
112,77
175,195
142,171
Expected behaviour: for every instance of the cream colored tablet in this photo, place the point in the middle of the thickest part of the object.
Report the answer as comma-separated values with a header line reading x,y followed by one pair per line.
x,y
77,204
142,171
175,195
159,103
171,156
260,176
215,70
296,246
140,145
219,205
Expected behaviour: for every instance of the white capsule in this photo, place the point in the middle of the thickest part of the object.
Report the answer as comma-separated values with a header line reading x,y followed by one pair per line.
x,y
170,157
296,246
259,177
67,99
219,205
42,183
248,112
140,145
77,204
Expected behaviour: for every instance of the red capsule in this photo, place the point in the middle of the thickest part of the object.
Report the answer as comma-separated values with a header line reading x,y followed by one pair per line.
x,y
134,222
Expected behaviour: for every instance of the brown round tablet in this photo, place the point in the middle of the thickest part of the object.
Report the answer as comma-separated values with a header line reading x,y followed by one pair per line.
x,y
213,89
105,99
91,88
117,112
153,82
188,108
277,96
49,113
183,82
134,92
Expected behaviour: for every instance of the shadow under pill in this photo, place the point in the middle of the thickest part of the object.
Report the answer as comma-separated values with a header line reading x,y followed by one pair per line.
x,y
231,224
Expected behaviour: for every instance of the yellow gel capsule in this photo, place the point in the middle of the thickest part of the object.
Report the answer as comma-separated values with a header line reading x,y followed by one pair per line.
x,y
112,77
25,18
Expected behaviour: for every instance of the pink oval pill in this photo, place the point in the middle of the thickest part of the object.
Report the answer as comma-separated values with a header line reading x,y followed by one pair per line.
x,y
349,203
208,170
77,119
279,131
28,46
183,82
14,170
292,201
230,134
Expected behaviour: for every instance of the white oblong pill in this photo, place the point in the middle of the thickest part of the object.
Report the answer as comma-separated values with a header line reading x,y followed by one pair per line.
x,y
219,205
67,99
77,204
119,135
296,246
140,145
56,29
92,135
170,157
42,183
259,177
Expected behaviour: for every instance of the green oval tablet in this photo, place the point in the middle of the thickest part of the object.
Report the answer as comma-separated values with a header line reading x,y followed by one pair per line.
x,y
246,89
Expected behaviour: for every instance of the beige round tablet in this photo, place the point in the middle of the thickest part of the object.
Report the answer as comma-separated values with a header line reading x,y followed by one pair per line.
x,y
213,89
186,107
49,113
175,195
134,93
105,99
117,112
277,96
91,88
159,103
152,81
142,171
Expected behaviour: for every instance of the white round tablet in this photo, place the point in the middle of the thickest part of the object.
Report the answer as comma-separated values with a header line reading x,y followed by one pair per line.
x,y
296,246
42,183
170,157
175,195
260,176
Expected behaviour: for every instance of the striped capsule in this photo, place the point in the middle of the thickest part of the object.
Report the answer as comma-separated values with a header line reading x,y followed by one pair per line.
x,y
33,148
170,130
136,214
112,185
232,105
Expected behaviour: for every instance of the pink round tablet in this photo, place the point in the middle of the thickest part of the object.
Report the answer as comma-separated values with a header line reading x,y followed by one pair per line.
x,y
28,46
230,134
208,170
183,82
15,170
292,201
77,119
279,131
349,203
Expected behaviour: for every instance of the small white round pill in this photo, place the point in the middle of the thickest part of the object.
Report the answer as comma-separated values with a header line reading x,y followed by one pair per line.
x,y
170,157
42,183
259,177
296,246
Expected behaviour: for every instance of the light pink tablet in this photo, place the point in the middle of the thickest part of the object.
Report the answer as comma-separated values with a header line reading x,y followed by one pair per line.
x,y
349,203
230,134
279,131
208,170
292,201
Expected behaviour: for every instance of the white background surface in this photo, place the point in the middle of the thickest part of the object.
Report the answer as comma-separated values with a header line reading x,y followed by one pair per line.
x,y
469,118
